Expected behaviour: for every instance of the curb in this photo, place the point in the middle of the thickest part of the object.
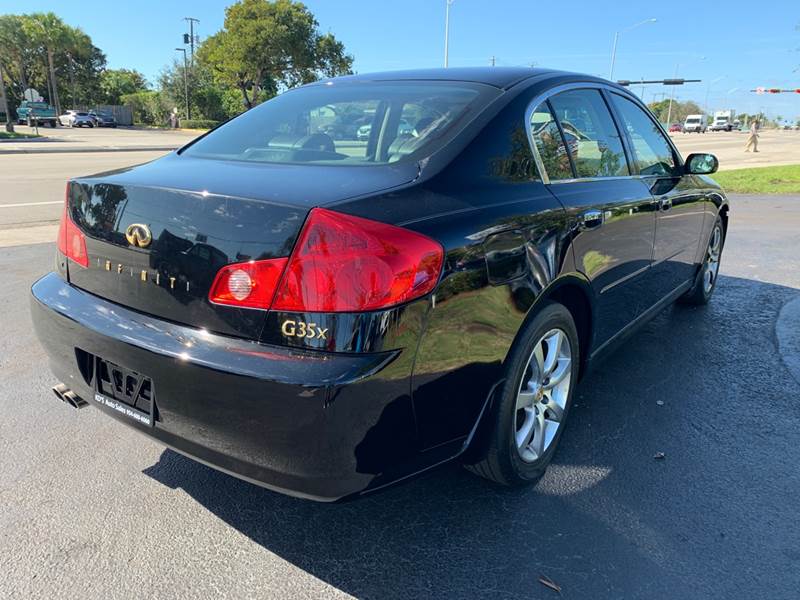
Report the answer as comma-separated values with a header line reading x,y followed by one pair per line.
x,y
89,149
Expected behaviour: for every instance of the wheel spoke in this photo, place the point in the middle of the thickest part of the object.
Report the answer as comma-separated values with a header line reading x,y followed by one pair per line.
x,y
524,433
553,350
538,359
562,369
554,410
537,443
526,398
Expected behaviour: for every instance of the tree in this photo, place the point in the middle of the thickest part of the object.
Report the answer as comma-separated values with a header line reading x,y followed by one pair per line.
x,y
115,83
268,45
680,110
40,51
205,95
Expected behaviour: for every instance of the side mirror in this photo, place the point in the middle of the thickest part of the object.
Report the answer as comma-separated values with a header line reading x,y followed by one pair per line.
x,y
701,164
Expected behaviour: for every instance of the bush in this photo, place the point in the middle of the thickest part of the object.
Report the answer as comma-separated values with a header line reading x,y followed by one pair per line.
x,y
150,108
198,123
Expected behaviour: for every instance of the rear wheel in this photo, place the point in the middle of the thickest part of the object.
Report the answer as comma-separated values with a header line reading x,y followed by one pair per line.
x,y
706,281
532,405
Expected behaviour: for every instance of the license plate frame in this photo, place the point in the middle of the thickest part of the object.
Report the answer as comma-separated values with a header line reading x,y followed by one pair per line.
x,y
108,396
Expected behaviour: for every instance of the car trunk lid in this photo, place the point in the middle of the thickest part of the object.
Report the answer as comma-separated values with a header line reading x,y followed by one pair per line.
x,y
157,234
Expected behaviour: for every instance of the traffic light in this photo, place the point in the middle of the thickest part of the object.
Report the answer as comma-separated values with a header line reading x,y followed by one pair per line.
x,y
186,38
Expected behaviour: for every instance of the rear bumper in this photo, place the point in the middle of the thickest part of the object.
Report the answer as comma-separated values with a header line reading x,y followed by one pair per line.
x,y
311,424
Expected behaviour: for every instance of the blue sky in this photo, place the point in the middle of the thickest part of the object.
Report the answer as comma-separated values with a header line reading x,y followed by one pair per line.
x,y
732,46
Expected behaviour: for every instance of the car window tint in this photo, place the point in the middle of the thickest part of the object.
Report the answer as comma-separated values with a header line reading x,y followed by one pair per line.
x,y
549,143
652,152
592,137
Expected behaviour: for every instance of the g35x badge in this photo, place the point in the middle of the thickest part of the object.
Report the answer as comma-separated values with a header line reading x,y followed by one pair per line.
x,y
303,330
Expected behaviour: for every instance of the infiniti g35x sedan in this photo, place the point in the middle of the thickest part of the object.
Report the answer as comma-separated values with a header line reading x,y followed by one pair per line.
x,y
325,317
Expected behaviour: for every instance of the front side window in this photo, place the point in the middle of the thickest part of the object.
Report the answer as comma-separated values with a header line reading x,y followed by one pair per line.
x,y
549,143
592,138
357,123
652,152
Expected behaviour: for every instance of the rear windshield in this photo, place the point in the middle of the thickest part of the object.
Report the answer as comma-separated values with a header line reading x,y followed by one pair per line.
x,y
348,123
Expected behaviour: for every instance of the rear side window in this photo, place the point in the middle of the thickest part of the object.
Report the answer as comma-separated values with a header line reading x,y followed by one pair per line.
x,y
349,123
549,143
652,152
591,136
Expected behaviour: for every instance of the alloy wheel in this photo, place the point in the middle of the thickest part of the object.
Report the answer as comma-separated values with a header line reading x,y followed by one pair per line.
x,y
542,395
711,266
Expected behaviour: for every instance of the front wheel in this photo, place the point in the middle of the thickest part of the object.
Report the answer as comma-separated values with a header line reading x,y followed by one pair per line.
x,y
706,280
532,405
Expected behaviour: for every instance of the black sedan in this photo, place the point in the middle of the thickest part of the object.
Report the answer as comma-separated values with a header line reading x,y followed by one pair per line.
x,y
326,317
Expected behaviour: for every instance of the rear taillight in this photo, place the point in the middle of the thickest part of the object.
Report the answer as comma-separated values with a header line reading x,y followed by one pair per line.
x,y
343,263
251,284
71,241
340,263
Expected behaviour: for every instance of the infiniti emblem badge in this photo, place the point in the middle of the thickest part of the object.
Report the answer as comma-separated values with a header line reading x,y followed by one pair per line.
x,y
138,235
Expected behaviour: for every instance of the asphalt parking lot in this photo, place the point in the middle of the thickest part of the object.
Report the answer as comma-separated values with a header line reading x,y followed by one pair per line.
x,y
91,510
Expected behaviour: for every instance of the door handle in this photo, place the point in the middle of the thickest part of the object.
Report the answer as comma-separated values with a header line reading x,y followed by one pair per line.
x,y
591,219
665,203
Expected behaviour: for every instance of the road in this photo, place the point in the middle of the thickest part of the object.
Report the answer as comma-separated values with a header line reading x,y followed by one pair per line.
x,y
93,510
774,147
33,184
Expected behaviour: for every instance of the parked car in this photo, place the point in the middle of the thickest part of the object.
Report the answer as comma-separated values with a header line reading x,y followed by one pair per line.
x,y
75,118
325,322
675,127
103,118
33,113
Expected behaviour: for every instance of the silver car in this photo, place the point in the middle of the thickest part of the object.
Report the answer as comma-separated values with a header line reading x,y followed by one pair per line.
x,y
74,118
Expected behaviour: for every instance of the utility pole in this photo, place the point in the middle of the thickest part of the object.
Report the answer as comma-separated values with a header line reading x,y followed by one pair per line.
x,y
447,31
4,98
185,81
191,21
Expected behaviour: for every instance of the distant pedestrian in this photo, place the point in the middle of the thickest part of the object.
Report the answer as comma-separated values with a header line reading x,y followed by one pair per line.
x,y
752,139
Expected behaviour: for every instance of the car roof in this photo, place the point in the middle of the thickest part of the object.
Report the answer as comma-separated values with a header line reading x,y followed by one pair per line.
x,y
499,77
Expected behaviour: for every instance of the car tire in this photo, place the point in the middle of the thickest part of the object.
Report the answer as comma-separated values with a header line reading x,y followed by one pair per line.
x,y
705,281
529,398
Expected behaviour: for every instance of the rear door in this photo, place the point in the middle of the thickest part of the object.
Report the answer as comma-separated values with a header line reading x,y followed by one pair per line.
x,y
679,200
612,213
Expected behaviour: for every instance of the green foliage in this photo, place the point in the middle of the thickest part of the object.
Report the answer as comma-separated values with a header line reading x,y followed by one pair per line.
x,y
115,83
148,107
206,97
680,110
26,44
266,45
198,123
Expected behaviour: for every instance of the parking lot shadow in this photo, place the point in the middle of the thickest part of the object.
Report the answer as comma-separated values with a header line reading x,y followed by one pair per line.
x,y
609,519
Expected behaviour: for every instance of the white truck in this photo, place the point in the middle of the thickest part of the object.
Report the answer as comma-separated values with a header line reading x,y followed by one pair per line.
x,y
694,123
723,120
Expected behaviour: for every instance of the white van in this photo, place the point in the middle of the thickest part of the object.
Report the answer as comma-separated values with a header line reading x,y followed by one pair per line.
x,y
695,123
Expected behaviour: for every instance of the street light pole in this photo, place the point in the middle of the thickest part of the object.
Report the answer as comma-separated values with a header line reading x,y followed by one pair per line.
x,y
185,81
447,30
616,39
672,95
